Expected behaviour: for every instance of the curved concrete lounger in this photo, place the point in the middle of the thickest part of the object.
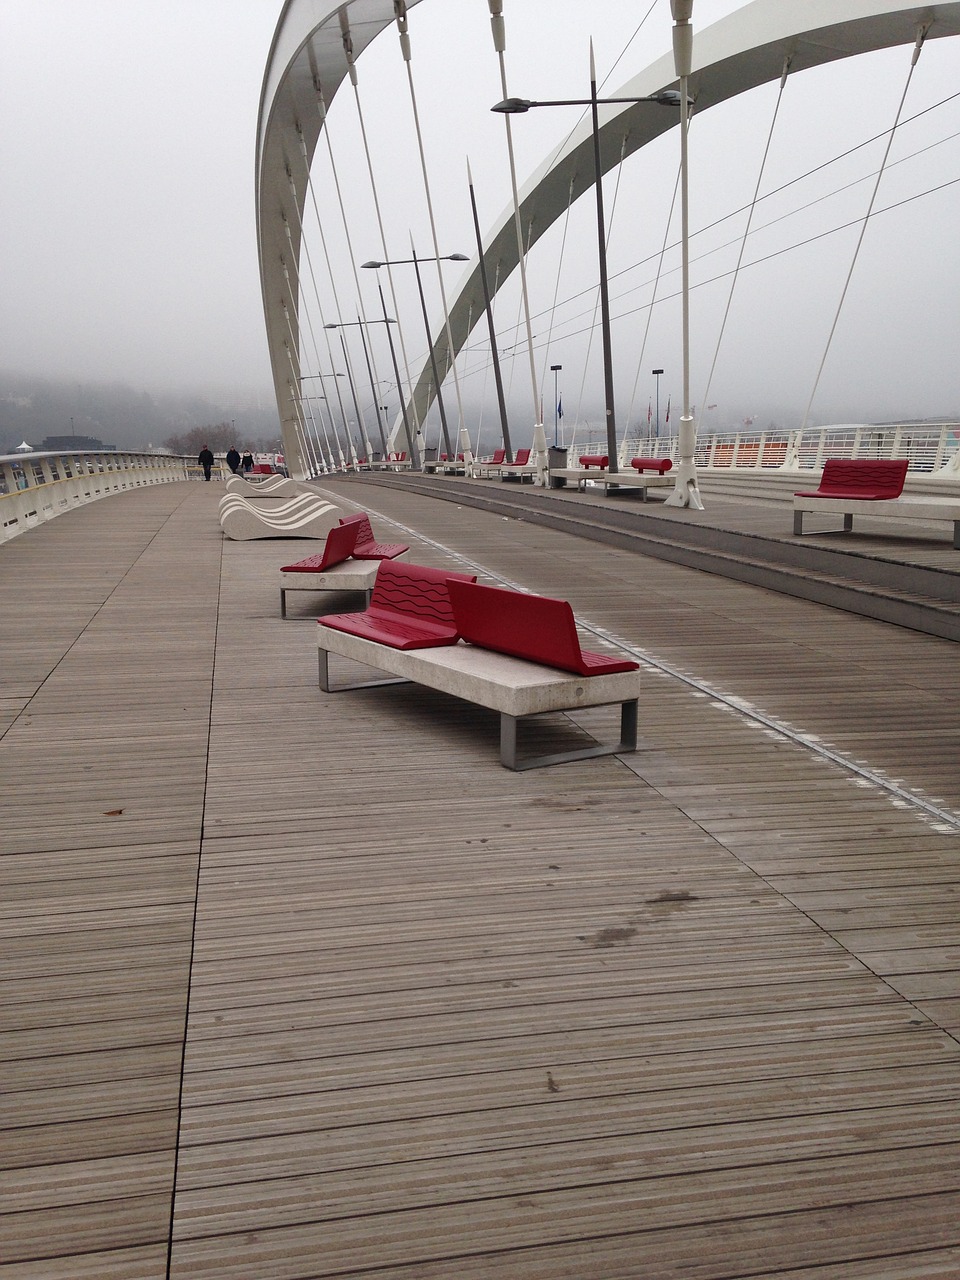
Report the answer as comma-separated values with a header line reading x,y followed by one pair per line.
x,y
306,516
270,487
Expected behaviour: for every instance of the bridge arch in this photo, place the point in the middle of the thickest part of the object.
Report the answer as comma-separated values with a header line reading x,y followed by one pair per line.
x,y
308,62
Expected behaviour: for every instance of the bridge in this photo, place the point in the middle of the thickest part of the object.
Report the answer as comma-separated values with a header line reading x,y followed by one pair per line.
x,y
307,985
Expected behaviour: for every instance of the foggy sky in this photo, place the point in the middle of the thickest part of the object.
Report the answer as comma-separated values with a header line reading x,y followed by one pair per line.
x,y
127,206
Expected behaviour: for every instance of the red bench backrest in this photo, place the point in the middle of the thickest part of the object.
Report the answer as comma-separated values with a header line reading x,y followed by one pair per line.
x,y
874,477
361,522
537,628
652,464
594,460
520,458
338,547
498,456
416,591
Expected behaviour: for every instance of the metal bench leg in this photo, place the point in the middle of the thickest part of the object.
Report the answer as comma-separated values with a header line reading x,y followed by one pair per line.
x,y
283,603
847,522
798,524
508,742
629,716
323,666
956,535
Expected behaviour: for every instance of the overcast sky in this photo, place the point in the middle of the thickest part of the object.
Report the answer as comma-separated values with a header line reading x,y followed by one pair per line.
x,y
128,250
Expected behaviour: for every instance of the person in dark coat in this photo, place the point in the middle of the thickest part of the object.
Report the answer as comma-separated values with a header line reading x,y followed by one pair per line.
x,y
206,461
233,459
247,462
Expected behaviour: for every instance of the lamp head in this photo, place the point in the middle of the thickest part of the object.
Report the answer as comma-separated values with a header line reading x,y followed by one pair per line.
x,y
373,264
512,106
458,257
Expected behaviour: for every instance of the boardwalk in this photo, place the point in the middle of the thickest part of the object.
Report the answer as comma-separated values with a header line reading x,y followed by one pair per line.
x,y
299,985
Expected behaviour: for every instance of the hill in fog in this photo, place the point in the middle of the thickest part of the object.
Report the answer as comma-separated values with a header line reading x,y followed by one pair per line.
x,y
32,408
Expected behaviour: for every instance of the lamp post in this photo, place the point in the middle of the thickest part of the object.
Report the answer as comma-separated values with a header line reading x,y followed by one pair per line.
x,y
395,262
656,374
686,491
310,377
555,370
388,321
517,106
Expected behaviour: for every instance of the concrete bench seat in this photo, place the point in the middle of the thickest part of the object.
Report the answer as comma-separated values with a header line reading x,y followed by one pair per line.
x,y
872,487
516,686
337,567
640,479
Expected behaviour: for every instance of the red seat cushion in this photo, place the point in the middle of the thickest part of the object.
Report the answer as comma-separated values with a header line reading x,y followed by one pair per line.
x,y
410,608
661,465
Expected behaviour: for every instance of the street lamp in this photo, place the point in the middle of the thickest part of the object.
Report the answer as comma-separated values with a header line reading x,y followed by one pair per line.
x,y
518,106
388,321
447,257
656,374
555,370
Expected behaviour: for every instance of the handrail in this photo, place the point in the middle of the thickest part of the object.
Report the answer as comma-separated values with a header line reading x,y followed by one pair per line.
x,y
929,447
36,486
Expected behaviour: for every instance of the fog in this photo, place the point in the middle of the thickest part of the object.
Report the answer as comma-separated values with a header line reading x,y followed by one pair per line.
x,y
127,203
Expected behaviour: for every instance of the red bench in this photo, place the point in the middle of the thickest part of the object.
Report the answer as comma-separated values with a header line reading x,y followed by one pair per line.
x,y
660,465
367,547
498,457
536,628
409,609
593,460
338,547
522,658
873,487
876,480
520,459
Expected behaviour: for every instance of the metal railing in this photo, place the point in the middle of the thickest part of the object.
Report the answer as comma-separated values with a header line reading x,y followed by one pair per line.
x,y
35,487
928,446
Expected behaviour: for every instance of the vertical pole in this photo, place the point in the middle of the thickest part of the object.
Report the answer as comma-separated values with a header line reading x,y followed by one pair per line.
x,y
433,359
604,292
411,439
686,492
498,378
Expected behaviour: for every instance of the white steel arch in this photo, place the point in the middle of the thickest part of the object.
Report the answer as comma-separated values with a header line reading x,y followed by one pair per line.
x,y
308,58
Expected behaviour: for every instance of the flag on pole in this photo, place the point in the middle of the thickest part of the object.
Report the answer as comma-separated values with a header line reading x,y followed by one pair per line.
x,y
560,407
667,419
649,412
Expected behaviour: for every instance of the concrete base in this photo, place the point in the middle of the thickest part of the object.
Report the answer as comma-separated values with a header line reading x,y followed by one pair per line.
x,y
510,686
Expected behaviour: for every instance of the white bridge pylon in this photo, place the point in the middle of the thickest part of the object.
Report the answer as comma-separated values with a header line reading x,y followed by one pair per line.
x,y
308,61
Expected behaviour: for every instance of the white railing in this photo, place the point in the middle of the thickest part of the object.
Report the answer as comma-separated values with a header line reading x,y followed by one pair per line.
x,y
35,487
929,447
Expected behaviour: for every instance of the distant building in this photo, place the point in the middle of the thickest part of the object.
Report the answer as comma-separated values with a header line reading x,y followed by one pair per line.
x,y
53,443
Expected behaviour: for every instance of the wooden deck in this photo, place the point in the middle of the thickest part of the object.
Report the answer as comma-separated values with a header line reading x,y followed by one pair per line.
x,y
298,985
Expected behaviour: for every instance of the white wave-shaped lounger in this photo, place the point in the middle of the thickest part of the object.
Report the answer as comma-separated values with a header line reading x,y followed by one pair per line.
x,y
306,516
270,487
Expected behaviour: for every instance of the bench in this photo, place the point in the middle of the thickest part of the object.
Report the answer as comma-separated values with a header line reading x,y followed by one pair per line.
x,y
519,655
489,466
872,487
306,516
519,468
334,569
588,460
660,465
367,547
